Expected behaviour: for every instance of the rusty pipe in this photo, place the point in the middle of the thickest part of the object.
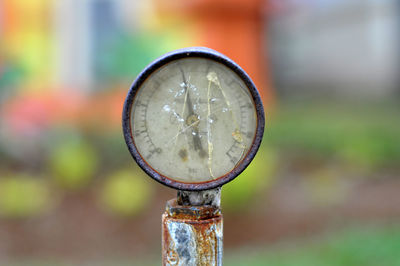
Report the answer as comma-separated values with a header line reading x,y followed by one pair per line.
x,y
191,235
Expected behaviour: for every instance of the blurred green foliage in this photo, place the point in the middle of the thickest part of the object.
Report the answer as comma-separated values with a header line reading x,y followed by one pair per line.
x,y
326,186
126,55
256,178
126,192
352,247
73,163
22,196
10,75
365,135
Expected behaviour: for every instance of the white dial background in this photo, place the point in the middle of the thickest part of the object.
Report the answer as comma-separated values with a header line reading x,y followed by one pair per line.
x,y
193,120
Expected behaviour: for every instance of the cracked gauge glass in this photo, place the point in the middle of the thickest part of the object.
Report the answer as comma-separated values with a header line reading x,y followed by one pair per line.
x,y
192,119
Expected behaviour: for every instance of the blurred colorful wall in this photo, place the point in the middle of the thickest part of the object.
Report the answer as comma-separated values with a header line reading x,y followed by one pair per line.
x,y
67,43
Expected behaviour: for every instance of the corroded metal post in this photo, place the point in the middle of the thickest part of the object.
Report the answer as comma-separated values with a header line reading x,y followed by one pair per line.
x,y
192,234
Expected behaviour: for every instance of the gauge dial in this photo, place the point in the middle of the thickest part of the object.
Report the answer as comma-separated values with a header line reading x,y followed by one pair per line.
x,y
193,117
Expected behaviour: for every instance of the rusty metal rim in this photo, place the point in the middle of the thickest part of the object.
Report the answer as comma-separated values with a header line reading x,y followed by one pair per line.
x,y
201,52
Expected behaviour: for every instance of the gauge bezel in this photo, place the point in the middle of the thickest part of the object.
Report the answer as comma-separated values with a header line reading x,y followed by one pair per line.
x,y
206,53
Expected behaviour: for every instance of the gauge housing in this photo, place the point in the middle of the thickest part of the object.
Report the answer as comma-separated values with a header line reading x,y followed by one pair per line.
x,y
199,52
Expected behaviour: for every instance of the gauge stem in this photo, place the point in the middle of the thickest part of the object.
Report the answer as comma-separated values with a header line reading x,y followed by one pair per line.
x,y
199,198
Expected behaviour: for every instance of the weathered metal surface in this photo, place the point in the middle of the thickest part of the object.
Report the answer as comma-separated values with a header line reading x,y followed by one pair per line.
x,y
176,211
192,235
199,198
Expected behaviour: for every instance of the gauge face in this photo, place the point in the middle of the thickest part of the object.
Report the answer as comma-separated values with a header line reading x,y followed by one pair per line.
x,y
192,120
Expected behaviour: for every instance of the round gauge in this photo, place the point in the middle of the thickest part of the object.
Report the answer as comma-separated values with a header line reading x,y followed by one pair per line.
x,y
193,119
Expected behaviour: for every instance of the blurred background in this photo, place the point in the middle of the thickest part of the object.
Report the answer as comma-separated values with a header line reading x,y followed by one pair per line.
x,y
324,188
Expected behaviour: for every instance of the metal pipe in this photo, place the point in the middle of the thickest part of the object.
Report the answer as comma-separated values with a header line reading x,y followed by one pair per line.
x,y
192,235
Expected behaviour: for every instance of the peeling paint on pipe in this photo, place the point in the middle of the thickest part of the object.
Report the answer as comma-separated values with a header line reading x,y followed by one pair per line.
x,y
192,235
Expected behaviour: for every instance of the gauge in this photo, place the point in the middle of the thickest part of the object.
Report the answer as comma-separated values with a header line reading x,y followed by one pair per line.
x,y
193,119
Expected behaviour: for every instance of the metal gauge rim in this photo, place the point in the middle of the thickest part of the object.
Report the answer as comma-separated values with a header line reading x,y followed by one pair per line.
x,y
192,52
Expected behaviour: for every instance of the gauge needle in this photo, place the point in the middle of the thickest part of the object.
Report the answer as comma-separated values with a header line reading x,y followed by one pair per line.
x,y
193,120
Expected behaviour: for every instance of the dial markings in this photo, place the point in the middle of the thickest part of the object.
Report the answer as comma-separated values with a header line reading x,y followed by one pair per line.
x,y
194,125
153,151
235,153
